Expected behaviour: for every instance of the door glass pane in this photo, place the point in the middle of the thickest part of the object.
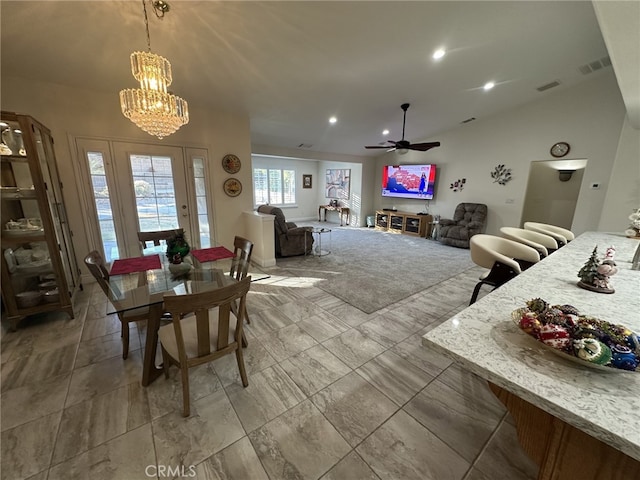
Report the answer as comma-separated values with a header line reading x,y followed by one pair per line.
x,y
154,192
102,202
201,202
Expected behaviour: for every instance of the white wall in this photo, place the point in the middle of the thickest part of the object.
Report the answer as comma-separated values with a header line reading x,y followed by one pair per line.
x,y
624,196
589,117
549,200
354,202
75,112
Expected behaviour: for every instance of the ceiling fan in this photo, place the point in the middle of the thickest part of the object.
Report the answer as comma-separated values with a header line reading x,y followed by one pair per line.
x,y
402,146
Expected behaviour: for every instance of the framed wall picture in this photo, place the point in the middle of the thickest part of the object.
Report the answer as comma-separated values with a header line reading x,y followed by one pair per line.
x,y
306,181
338,183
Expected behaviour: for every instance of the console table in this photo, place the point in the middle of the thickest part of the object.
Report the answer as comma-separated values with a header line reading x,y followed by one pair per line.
x,y
342,211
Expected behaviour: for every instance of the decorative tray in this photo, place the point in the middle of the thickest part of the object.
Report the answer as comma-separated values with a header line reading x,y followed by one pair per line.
x,y
582,339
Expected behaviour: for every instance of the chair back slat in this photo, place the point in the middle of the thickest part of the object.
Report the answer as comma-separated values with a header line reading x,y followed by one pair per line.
x,y
216,302
242,258
98,269
156,237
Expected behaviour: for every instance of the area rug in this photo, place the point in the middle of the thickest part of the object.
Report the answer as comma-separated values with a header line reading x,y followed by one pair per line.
x,y
371,269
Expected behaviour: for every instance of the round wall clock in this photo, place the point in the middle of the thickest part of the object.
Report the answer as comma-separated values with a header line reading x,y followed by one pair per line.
x,y
231,164
560,149
232,187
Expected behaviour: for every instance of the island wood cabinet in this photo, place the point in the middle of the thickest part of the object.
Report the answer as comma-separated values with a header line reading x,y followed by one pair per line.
x,y
39,269
403,222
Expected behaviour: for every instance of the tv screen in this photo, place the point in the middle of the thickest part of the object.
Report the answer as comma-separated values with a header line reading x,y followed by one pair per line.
x,y
409,181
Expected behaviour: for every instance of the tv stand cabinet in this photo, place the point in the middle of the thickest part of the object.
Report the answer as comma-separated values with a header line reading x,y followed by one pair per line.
x,y
403,222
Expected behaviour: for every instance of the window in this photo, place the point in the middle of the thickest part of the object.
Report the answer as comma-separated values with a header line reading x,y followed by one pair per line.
x,y
274,186
100,193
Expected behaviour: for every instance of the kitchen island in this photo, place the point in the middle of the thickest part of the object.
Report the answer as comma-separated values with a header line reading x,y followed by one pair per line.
x,y
573,420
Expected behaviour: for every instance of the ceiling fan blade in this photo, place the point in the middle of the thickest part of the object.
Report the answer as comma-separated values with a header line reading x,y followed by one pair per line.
x,y
423,147
377,146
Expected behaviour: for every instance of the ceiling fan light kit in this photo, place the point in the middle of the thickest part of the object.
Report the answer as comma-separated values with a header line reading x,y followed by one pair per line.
x,y
403,146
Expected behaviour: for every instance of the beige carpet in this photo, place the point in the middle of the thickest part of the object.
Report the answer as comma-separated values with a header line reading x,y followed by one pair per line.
x,y
370,269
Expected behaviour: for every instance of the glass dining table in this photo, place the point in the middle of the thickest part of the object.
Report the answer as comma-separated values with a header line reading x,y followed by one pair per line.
x,y
142,282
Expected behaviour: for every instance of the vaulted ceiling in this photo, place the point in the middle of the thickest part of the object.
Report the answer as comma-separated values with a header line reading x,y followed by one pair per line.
x,y
292,65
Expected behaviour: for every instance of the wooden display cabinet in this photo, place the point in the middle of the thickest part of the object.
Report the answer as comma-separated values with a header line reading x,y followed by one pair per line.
x,y
39,269
403,222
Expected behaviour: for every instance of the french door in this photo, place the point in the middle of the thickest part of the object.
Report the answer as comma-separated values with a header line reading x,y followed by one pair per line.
x,y
141,187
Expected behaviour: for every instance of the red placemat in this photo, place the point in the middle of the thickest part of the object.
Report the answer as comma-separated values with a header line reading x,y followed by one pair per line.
x,y
137,264
211,254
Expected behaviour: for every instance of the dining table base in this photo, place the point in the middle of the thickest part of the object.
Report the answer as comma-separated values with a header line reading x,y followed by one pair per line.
x,y
150,371
564,452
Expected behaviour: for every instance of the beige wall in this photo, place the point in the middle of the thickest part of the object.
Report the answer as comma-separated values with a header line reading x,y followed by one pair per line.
x,y
70,112
589,117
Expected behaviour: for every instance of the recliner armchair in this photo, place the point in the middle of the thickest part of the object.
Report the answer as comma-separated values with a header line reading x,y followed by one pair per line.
x,y
290,239
468,220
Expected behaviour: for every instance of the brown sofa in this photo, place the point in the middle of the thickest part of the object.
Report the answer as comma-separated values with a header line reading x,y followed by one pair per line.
x,y
289,238
468,220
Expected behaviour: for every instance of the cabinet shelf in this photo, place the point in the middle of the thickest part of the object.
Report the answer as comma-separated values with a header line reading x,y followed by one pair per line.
x,y
403,222
31,195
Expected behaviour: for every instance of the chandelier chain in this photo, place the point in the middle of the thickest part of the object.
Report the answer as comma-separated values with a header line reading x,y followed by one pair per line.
x,y
146,24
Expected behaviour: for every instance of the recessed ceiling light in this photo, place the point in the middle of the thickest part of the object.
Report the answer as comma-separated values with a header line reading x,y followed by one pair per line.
x,y
385,132
489,85
333,120
438,54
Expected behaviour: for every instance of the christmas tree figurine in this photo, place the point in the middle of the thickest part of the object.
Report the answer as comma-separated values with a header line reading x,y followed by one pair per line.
x,y
594,275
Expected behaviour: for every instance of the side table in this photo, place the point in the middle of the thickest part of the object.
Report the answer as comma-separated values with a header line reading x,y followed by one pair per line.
x,y
317,249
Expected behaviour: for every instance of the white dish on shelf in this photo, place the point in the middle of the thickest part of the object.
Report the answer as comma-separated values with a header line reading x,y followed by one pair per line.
x,y
28,299
23,232
51,296
36,266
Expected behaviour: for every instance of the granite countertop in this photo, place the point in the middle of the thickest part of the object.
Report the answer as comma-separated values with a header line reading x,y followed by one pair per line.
x,y
484,339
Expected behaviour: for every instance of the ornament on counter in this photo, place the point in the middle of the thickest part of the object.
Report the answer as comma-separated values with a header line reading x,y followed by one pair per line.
x,y
592,350
634,227
594,275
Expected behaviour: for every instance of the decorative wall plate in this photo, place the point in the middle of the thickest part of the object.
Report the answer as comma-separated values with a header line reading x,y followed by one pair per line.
x,y
232,187
231,163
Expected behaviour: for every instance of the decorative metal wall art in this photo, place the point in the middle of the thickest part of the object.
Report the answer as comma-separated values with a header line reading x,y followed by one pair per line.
x,y
501,175
458,185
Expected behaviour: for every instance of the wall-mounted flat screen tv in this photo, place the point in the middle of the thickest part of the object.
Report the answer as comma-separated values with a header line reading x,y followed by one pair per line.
x,y
409,181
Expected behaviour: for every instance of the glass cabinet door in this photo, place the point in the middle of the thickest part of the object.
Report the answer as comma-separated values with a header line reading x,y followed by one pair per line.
x,y
37,263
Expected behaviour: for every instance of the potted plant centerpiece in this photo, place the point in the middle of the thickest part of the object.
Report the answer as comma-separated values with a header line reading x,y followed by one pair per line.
x,y
177,249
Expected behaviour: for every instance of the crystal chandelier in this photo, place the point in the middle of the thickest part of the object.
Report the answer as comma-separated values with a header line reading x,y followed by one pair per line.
x,y
151,107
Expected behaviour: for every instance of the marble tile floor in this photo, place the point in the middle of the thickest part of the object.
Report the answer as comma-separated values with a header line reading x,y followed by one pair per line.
x,y
333,394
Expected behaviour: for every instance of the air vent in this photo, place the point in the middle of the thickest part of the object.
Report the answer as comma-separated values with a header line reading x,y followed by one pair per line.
x,y
305,145
549,85
471,119
595,66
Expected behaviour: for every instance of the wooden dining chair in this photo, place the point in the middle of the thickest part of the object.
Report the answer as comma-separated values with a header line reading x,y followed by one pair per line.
x,y
242,249
156,237
203,329
98,269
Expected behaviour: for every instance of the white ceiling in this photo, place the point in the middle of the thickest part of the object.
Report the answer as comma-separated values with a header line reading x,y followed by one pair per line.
x,y
291,65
